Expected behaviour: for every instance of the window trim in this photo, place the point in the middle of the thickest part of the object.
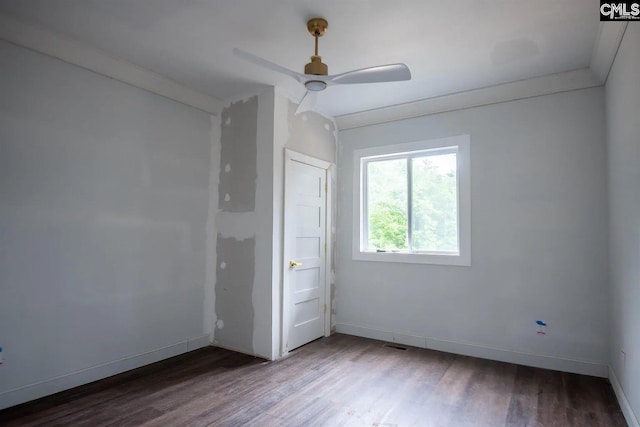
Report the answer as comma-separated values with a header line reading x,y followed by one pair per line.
x,y
463,258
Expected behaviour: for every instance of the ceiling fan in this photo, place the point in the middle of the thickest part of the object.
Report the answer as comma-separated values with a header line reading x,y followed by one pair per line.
x,y
316,73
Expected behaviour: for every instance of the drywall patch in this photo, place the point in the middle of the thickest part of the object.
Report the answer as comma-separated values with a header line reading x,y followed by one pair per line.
x,y
237,188
332,320
334,244
311,134
237,225
209,319
234,288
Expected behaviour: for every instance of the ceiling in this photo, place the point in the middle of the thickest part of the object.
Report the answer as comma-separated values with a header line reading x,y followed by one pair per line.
x,y
449,46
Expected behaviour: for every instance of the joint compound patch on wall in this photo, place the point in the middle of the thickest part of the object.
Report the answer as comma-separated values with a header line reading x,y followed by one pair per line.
x,y
210,274
312,134
234,287
238,174
334,244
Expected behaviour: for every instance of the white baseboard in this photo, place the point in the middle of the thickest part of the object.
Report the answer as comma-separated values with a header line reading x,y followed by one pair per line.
x,y
199,342
467,349
627,410
85,376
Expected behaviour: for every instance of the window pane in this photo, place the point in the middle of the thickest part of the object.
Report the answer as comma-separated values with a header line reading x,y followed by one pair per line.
x,y
387,204
435,204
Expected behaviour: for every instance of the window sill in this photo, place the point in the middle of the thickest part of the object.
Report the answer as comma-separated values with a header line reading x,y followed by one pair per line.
x,y
413,258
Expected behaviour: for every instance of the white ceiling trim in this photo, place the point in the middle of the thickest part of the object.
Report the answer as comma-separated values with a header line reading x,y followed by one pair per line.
x,y
545,85
73,52
606,46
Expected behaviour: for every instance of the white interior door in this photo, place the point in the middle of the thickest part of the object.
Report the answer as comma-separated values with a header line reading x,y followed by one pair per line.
x,y
304,251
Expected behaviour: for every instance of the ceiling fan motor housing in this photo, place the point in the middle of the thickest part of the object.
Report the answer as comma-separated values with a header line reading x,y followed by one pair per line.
x,y
316,67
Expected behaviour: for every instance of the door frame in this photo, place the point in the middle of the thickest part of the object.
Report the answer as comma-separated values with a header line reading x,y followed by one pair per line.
x,y
290,156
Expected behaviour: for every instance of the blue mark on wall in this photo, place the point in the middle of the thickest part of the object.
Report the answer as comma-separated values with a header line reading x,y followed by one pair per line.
x,y
542,327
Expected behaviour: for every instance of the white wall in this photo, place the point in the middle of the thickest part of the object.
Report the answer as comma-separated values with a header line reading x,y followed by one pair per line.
x,y
623,136
103,209
539,245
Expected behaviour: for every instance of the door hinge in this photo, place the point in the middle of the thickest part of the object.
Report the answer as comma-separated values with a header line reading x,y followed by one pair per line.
x,y
326,187
325,308
325,248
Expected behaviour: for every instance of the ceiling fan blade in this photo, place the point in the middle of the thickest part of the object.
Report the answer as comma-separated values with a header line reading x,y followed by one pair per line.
x,y
268,64
307,103
379,74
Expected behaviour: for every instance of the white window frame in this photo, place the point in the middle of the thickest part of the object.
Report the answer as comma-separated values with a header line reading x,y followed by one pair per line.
x,y
459,143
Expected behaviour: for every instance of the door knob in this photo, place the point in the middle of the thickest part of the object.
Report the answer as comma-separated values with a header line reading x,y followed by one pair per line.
x,y
293,264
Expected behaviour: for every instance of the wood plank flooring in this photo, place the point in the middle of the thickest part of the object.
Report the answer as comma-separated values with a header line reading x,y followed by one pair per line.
x,y
336,381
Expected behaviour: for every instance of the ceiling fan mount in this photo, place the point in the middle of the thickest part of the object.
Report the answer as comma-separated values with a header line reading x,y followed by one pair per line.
x,y
317,26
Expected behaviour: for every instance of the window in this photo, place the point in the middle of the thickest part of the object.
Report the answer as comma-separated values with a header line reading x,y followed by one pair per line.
x,y
411,202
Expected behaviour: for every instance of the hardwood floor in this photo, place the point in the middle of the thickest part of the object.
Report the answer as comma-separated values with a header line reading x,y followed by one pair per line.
x,y
336,381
